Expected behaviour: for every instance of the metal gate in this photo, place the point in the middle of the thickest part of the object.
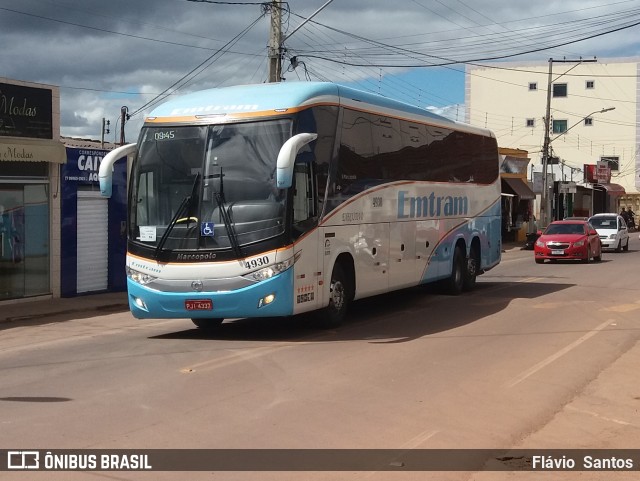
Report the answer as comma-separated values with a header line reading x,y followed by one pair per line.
x,y
93,242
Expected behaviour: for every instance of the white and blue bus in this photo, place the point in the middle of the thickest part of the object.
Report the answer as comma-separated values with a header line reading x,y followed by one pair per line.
x,y
278,199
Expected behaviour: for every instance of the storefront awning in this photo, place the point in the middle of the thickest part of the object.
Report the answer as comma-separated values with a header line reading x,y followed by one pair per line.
x,y
612,189
519,188
32,150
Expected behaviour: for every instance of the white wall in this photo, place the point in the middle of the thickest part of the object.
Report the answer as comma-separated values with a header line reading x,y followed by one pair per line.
x,y
500,100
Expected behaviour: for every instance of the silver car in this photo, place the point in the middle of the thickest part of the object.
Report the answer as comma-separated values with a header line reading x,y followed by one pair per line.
x,y
613,231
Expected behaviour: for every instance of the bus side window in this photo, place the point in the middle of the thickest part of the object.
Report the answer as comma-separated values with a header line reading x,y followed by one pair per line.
x,y
146,212
303,198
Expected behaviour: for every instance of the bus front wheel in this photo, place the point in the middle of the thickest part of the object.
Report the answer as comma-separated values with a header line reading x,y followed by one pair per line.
x,y
339,299
211,323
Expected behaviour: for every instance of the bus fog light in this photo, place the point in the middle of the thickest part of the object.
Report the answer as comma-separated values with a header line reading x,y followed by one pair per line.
x,y
266,300
140,303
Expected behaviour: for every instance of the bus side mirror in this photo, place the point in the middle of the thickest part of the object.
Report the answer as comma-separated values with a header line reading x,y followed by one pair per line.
x,y
105,174
287,157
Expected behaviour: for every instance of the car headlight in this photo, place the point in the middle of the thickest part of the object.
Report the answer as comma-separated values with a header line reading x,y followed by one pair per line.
x,y
539,243
613,236
268,272
139,277
579,243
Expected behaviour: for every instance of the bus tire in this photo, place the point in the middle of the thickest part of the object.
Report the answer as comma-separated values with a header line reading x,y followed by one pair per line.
x,y
455,283
471,270
339,299
210,323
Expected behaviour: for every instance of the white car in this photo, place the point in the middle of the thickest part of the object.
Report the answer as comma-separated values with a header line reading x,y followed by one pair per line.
x,y
613,231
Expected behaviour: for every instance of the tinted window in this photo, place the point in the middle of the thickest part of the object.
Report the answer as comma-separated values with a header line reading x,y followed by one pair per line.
x,y
385,149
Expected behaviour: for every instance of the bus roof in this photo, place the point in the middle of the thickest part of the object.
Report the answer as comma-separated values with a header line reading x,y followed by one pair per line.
x,y
245,101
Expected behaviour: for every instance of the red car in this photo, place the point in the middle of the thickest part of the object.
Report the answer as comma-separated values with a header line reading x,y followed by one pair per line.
x,y
568,239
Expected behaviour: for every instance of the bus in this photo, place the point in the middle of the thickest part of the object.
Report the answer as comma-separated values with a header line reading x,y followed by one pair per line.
x,y
279,199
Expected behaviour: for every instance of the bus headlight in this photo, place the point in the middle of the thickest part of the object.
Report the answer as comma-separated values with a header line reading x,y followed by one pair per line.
x,y
139,277
269,272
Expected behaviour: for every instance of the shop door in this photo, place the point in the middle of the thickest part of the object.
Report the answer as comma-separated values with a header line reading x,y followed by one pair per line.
x,y
24,240
93,242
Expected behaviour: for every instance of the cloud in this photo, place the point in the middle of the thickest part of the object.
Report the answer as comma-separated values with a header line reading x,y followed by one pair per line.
x,y
104,55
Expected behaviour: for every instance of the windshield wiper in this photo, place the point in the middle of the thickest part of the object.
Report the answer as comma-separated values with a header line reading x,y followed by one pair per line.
x,y
185,205
226,218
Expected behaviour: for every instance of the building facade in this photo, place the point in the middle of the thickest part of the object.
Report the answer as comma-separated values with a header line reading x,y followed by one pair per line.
x,y
593,124
30,157
58,236
93,227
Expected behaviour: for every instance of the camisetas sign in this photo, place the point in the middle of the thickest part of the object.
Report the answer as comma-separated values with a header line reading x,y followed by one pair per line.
x,y
25,112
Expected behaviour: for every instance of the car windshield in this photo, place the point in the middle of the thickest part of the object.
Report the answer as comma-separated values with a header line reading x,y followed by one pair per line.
x,y
565,229
604,222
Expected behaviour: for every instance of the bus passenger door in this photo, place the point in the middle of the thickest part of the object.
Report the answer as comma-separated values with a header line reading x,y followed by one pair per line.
x,y
402,255
307,292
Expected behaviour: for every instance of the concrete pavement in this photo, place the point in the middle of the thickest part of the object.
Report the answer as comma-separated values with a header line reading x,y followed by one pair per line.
x,y
605,414
34,309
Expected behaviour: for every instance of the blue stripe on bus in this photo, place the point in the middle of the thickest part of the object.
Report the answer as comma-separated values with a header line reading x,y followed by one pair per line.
x,y
486,224
230,304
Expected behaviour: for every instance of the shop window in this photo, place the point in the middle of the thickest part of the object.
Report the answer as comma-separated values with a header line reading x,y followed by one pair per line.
x,y
24,242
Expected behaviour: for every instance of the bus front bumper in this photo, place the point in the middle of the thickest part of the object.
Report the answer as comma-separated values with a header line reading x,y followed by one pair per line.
x,y
270,298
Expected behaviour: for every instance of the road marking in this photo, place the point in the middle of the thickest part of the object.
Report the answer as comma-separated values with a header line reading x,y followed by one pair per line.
x,y
234,358
622,308
419,439
596,415
541,365
413,443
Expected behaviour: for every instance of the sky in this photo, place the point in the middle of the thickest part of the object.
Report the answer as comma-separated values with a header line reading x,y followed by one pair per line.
x,y
108,54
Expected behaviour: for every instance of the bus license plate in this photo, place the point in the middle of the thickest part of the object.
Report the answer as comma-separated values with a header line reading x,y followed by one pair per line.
x,y
557,253
199,305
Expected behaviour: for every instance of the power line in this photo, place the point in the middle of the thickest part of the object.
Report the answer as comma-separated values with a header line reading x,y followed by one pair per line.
x,y
164,93
447,62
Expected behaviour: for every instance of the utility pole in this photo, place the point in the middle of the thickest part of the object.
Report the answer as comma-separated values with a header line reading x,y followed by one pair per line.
x,y
544,203
275,42
124,113
105,130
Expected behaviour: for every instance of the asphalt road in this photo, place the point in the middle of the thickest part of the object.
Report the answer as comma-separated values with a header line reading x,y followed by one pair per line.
x,y
414,369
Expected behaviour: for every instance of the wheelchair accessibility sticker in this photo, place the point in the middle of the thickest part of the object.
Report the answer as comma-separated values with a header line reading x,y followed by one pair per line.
x,y
206,229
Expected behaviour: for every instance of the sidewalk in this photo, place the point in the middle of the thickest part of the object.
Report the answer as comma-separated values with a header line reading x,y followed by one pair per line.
x,y
33,309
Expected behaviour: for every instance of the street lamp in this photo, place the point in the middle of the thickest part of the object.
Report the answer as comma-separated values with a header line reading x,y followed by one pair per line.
x,y
544,208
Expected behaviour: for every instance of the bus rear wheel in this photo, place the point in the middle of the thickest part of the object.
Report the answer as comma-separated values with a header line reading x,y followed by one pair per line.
x,y
211,323
471,272
455,283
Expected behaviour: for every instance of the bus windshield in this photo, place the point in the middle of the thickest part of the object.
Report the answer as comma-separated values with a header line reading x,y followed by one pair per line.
x,y
207,187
